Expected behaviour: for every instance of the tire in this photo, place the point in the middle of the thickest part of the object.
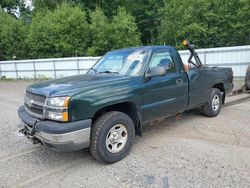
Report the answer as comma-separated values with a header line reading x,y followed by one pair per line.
x,y
111,137
213,106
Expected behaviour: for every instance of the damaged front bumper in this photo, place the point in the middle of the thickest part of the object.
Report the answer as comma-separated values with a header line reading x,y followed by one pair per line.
x,y
70,136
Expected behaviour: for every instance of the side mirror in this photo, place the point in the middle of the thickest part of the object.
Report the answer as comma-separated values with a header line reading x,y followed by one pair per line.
x,y
156,71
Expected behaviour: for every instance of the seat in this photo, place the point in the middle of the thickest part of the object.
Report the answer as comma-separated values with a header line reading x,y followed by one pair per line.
x,y
165,63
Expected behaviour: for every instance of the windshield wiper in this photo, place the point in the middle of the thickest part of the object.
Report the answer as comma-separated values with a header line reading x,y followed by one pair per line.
x,y
93,69
109,72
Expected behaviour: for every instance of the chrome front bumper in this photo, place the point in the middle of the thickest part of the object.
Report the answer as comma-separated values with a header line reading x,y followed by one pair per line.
x,y
66,142
76,137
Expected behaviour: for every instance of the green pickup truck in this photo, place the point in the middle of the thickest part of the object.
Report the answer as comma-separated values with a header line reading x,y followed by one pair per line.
x,y
125,90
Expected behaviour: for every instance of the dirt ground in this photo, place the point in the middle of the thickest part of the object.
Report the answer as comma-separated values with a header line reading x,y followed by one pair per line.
x,y
190,150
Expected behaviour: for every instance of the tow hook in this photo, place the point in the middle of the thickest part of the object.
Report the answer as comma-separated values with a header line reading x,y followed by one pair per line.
x,y
30,135
24,132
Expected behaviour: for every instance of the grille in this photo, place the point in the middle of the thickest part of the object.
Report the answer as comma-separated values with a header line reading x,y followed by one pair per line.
x,y
34,104
37,98
34,111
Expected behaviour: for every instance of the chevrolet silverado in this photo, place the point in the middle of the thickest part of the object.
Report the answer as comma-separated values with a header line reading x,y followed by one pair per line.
x,y
125,90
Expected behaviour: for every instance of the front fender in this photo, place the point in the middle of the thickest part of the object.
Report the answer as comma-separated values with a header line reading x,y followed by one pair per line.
x,y
84,108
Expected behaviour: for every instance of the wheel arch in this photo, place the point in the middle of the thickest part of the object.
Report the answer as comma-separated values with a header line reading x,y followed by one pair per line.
x,y
128,108
221,87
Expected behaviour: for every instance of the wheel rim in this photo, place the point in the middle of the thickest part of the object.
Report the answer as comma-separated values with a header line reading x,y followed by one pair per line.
x,y
216,102
116,138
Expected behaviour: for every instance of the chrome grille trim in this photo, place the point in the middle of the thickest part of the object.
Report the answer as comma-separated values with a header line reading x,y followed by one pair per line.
x,y
36,97
35,105
32,113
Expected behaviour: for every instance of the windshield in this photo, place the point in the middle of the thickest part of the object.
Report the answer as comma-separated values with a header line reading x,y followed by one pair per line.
x,y
124,62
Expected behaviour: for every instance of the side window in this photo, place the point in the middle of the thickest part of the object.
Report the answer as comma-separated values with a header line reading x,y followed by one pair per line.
x,y
163,59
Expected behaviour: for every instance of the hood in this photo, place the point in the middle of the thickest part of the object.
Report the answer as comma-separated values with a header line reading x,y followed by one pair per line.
x,y
72,85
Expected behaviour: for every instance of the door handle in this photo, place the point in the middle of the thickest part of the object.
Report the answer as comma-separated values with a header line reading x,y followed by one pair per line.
x,y
179,81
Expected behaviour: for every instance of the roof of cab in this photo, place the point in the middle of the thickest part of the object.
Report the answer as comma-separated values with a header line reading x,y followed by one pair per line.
x,y
145,47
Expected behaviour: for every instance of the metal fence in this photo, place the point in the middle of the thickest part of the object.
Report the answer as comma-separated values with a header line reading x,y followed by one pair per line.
x,y
46,68
238,58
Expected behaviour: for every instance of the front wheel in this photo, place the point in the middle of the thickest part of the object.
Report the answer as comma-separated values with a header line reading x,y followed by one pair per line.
x,y
213,106
111,137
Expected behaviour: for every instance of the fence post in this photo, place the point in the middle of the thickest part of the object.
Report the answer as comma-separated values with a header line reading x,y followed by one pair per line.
x,y
16,70
34,68
0,72
205,57
54,65
78,68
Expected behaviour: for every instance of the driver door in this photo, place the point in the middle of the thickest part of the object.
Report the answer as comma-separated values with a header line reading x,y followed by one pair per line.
x,y
164,95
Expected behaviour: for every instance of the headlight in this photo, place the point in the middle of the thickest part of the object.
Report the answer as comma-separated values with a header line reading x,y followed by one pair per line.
x,y
57,108
58,101
58,116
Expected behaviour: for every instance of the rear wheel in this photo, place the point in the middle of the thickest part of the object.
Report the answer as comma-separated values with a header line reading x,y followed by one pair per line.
x,y
213,106
111,137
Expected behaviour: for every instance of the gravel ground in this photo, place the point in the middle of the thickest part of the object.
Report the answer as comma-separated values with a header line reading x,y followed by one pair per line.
x,y
185,151
239,83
